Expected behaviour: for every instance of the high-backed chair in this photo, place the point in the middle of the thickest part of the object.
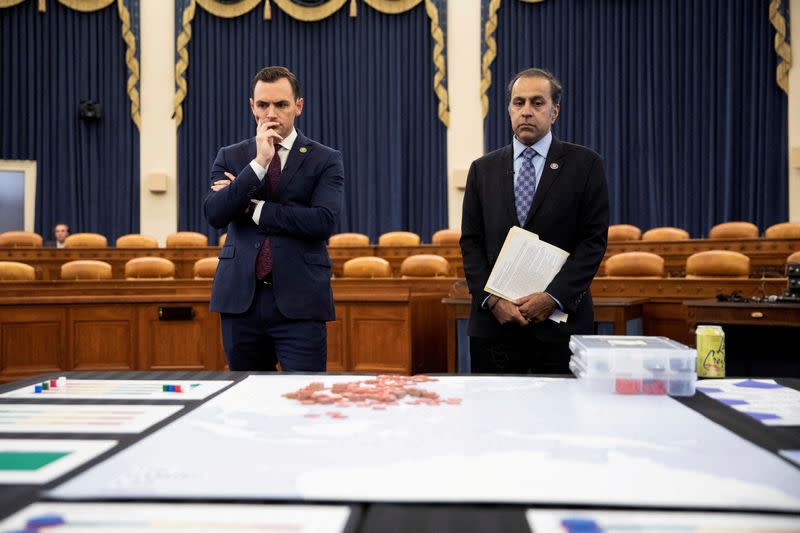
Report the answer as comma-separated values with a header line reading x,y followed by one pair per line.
x,y
424,266
86,240
222,239
19,239
446,236
635,264
136,240
187,239
14,271
665,234
784,230
205,268
367,267
623,232
86,269
348,239
717,264
149,268
734,230
794,258
399,238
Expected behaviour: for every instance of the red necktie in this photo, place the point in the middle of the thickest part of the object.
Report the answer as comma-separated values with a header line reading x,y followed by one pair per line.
x,y
264,259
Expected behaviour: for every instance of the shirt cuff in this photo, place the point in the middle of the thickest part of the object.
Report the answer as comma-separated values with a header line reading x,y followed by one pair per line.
x,y
484,302
560,307
258,169
259,205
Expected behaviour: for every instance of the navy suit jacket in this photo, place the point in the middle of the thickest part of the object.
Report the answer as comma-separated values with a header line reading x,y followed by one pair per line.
x,y
569,210
298,217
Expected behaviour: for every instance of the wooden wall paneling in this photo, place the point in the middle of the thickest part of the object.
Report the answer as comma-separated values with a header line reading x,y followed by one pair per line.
x,y
33,340
102,337
180,344
667,319
379,336
338,350
428,330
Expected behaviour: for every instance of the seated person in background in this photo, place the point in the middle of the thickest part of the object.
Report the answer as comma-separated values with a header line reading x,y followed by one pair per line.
x,y
60,232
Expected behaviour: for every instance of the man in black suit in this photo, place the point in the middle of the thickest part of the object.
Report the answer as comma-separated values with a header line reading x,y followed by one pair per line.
x,y
279,195
554,189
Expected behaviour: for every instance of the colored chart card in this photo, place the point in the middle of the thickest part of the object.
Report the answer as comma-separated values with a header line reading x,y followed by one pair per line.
x,y
579,521
487,439
154,518
765,400
42,460
61,418
99,389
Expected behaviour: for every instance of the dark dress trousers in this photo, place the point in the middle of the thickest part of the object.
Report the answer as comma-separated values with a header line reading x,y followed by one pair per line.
x,y
298,217
569,210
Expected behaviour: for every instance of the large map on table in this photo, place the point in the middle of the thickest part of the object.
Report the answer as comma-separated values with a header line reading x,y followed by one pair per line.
x,y
453,439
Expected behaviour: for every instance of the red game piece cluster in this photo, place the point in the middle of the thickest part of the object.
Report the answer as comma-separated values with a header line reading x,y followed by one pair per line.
x,y
378,393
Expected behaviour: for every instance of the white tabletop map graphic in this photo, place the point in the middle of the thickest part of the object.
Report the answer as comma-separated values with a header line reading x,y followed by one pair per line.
x,y
511,439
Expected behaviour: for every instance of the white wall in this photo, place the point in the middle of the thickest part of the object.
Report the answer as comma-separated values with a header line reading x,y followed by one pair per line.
x,y
159,211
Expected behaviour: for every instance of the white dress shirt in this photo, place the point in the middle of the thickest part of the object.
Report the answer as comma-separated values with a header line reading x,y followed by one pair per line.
x,y
283,155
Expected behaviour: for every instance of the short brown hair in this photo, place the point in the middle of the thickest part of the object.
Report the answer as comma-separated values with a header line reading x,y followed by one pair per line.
x,y
273,74
555,85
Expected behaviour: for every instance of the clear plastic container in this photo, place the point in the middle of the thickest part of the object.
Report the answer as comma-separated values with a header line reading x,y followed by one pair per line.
x,y
633,365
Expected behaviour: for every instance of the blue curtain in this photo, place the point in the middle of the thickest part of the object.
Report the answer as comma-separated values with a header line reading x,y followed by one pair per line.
x,y
368,89
87,171
678,96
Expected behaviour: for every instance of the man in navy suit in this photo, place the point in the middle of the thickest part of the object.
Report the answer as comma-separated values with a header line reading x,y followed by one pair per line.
x,y
279,194
554,189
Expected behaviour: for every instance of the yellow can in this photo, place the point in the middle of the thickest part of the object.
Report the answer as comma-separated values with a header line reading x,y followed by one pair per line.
x,y
710,352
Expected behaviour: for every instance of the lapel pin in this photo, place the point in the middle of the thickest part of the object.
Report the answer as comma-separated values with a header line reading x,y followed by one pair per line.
x,y
303,149
554,166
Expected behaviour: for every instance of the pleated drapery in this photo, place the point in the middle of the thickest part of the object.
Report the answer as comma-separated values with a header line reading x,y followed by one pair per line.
x,y
678,96
367,83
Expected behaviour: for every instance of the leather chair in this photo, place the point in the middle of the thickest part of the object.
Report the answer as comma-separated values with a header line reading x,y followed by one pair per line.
x,y
14,271
136,240
222,239
446,236
784,230
734,230
86,269
665,234
794,258
399,238
718,264
20,239
348,239
85,240
367,267
187,239
149,268
623,232
424,266
205,268
635,264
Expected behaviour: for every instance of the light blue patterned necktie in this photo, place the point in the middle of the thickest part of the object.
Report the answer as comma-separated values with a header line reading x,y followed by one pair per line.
x,y
525,187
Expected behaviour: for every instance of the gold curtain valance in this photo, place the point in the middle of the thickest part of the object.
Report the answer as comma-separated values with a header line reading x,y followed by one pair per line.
x,y
393,7
226,9
86,5
307,14
9,3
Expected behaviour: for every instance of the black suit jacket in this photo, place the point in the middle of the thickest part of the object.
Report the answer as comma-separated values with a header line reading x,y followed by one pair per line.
x,y
298,217
569,210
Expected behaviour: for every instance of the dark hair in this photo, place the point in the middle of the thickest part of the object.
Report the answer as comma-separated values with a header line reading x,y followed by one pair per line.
x,y
273,74
61,224
555,85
